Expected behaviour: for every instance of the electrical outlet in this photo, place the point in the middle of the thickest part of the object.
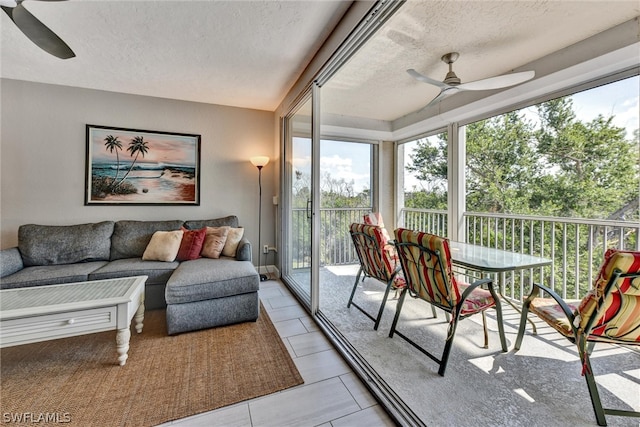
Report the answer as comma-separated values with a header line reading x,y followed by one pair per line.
x,y
265,249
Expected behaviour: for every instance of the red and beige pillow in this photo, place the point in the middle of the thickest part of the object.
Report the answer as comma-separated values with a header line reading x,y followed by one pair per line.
x,y
184,244
191,245
214,241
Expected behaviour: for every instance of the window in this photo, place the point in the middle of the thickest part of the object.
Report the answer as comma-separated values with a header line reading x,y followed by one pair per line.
x,y
424,183
574,157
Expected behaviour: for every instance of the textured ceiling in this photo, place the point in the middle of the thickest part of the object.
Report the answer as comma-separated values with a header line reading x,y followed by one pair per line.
x,y
492,37
237,53
249,53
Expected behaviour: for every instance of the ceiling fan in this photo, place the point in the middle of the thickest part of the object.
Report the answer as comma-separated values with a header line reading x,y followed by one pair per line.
x,y
35,30
452,83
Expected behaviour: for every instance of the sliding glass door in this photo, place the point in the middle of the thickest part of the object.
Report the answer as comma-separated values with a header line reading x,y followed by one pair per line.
x,y
298,164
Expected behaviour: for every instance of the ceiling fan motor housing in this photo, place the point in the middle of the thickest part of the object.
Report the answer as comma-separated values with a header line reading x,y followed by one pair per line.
x,y
451,79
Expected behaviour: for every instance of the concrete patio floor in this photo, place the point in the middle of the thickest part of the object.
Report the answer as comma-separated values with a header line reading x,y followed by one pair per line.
x,y
540,385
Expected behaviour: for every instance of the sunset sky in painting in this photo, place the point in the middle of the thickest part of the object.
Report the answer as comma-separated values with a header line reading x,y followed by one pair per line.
x,y
171,149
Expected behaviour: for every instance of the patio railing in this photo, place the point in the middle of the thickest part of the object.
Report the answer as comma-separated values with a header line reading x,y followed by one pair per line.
x,y
576,246
336,247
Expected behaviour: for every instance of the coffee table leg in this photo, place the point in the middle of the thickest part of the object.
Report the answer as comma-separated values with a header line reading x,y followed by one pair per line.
x,y
122,345
139,317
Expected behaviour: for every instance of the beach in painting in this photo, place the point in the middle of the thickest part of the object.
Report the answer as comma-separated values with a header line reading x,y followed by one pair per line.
x,y
154,182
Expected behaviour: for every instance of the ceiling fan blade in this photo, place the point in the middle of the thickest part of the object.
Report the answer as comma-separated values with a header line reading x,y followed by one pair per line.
x,y
498,82
444,93
38,33
416,75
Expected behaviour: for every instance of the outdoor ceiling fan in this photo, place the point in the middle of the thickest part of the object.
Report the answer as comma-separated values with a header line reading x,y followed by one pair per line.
x,y
35,30
452,83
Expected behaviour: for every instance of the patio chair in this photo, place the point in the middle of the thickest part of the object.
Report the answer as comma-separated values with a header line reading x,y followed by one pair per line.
x,y
610,313
378,260
426,262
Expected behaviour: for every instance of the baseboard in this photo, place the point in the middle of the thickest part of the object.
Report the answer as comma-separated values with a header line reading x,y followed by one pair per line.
x,y
271,271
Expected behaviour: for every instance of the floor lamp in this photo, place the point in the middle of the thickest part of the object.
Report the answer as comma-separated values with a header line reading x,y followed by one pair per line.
x,y
260,162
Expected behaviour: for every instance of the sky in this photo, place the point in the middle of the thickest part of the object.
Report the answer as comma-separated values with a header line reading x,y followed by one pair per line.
x,y
168,149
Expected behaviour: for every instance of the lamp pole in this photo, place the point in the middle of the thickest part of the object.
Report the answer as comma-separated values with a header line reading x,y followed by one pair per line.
x,y
260,162
263,277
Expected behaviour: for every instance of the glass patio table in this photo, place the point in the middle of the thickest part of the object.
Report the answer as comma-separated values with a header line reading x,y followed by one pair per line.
x,y
490,260
495,261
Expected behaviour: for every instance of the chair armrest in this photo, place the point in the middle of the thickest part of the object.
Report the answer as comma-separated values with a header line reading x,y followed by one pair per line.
x,y
563,305
486,281
478,283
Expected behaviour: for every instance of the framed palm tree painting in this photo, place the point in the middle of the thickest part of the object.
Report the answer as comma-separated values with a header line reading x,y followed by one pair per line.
x,y
141,167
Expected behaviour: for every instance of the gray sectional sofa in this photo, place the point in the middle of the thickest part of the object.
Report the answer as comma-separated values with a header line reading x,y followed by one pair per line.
x,y
199,293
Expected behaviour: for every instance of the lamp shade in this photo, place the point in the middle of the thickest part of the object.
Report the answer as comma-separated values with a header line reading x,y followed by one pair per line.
x,y
259,161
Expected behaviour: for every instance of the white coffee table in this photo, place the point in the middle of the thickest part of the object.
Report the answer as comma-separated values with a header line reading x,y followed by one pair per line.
x,y
50,312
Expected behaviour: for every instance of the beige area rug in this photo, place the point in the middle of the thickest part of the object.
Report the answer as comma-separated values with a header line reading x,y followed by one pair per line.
x,y
77,381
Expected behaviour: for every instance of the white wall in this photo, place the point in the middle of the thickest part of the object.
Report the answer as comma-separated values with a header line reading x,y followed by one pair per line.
x,y
43,152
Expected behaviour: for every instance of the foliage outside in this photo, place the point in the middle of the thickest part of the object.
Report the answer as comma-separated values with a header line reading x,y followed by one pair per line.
x,y
555,166
340,205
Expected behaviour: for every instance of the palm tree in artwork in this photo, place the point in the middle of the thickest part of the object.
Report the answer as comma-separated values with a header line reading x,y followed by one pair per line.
x,y
136,147
113,143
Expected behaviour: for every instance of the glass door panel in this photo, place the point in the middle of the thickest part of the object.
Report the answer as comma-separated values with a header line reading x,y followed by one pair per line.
x,y
298,189
346,183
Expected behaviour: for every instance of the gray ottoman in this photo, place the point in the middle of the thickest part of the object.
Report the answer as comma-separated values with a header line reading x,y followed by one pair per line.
x,y
205,293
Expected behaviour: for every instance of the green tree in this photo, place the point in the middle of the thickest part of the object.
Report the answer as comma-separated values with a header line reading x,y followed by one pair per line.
x,y
429,164
500,164
558,166
594,168
340,193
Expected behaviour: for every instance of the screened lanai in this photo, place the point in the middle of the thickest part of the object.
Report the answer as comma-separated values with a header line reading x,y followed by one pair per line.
x,y
375,144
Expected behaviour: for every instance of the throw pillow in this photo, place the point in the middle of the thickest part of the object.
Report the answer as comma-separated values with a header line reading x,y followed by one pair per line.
x,y
214,241
191,245
233,239
163,246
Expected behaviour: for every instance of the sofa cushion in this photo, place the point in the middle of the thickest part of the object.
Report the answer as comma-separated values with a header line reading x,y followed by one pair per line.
x,y
204,278
130,238
214,241
64,244
10,261
231,221
163,246
233,238
50,274
191,245
157,271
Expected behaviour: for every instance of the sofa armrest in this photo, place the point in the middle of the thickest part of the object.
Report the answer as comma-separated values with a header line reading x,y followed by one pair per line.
x,y
243,253
10,261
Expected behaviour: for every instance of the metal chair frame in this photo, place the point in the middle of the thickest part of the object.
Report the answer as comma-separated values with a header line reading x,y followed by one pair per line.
x,y
376,271
582,339
454,311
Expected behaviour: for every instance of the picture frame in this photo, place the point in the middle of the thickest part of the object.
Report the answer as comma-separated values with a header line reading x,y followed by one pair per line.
x,y
141,167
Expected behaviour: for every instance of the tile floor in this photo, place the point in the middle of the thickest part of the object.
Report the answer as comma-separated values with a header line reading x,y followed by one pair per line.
x,y
331,396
